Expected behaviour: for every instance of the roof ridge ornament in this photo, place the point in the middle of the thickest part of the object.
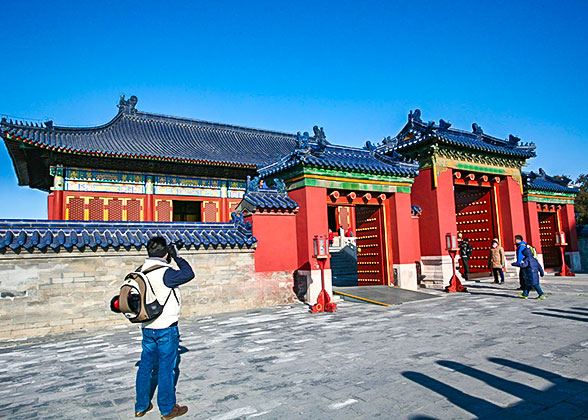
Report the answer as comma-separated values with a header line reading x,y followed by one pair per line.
x,y
477,130
252,184
370,146
415,116
302,140
48,124
127,105
513,141
321,140
444,125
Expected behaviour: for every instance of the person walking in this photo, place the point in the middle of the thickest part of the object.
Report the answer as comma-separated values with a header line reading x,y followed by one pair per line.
x,y
496,260
465,252
160,336
520,245
531,270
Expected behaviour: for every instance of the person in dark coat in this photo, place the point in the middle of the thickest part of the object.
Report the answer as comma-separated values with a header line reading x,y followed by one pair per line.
x,y
530,269
519,246
465,252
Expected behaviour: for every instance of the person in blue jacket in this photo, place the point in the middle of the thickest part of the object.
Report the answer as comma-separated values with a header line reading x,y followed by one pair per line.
x,y
520,245
530,269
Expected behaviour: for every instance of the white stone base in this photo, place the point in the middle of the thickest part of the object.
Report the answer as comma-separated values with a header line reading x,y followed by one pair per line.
x,y
575,261
313,284
407,276
437,271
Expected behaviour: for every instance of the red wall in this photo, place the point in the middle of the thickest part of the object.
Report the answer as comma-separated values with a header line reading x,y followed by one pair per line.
x,y
512,215
532,231
438,204
403,230
276,246
311,220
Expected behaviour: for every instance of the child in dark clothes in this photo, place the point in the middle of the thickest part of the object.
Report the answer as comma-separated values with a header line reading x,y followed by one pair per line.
x,y
531,270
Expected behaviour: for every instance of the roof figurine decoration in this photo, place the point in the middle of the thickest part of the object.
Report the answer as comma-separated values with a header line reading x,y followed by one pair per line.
x,y
477,130
20,235
320,139
128,106
265,199
416,134
543,182
444,125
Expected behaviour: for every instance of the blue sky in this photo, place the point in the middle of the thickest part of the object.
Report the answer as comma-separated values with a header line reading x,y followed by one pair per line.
x,y
355,68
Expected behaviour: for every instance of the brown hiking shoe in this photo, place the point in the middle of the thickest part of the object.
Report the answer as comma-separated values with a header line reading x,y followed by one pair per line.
x,y
177,411
142,413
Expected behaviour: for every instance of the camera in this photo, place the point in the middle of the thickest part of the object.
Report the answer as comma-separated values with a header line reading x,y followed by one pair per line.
x,y
172,250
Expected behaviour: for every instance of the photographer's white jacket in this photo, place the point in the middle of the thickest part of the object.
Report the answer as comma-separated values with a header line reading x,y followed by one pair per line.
x,y
171,310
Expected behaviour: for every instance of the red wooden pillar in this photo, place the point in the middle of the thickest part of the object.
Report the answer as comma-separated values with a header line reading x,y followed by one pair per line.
x,y
403,244
532,231
224,211
59,205
512,217
311,220
57,201
352,221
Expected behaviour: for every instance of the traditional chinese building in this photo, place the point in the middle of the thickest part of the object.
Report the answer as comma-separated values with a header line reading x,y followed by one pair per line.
x,y
399,198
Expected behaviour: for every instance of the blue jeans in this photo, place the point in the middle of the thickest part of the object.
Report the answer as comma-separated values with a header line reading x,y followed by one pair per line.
x,y
529,288
496,272
159,357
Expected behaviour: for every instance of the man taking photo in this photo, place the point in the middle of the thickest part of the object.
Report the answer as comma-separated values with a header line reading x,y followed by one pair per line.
x,y
161,336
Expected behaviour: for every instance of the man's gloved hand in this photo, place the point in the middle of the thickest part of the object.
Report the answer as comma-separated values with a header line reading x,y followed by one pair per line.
x,y
172,250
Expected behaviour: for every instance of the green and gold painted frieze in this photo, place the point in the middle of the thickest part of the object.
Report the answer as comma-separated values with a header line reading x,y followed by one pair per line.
x,y
90,180
332,179
548,197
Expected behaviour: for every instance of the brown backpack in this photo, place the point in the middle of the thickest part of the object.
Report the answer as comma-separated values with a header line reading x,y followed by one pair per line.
x,y
137,300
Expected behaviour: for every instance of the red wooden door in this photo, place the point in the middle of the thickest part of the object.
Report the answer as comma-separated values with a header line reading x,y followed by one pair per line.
x,y
547,229
370,255
473,206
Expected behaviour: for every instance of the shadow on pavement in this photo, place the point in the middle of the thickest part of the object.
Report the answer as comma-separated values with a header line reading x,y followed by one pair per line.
x,y
572,318
567,312
565,398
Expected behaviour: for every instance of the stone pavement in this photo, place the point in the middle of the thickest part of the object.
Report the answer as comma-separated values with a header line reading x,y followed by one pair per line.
x,y
485,354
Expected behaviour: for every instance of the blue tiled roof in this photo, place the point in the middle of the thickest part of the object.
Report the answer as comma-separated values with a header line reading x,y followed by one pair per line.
x,y
543,182
141,135
42,234
270,199
416,133
344,159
